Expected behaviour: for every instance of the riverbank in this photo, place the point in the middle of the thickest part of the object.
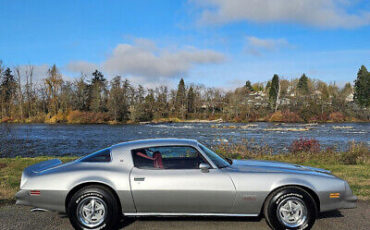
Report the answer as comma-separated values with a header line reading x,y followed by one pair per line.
x,y
353,166
77,117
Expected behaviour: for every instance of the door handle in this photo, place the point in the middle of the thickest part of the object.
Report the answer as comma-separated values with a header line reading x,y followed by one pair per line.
x,y
139,178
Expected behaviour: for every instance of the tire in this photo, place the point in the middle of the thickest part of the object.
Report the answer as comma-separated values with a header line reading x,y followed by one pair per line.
x,y
290,208
96,199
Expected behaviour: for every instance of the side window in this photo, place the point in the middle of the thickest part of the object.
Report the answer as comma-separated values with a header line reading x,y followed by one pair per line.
x,y
167,157
100,156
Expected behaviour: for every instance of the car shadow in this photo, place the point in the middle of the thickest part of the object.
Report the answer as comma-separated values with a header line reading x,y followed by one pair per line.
x,y
130,220
330,214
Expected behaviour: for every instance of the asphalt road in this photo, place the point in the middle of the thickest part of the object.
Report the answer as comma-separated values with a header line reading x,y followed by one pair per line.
x,y
15,217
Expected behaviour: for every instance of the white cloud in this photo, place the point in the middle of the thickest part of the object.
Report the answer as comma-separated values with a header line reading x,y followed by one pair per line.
x,y
147,62
82,66
39,72
318,13
256,45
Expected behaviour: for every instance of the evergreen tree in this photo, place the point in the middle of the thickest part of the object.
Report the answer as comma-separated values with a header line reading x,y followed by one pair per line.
x,y
145,110
8,85
191,100
362,87
268,86
98,92
181,99
8,91
274,90
248,86
303,84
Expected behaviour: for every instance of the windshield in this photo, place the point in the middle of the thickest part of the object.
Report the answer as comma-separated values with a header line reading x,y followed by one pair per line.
x,y
219,161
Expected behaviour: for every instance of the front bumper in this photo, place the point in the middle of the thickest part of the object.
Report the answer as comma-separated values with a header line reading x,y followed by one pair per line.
x,y
349,202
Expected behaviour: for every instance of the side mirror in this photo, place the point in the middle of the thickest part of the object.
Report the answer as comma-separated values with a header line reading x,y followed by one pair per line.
x,y
204,167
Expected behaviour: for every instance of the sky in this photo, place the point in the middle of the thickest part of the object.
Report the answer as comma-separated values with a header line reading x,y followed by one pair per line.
x,y
218,43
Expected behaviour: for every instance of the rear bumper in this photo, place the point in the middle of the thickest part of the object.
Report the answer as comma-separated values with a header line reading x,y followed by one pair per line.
x,y
23,198
47,199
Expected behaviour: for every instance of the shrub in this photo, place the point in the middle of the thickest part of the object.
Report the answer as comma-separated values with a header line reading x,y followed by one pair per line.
x,y
276,117
337,117
237,119
305,145
57,118
289,116
6,119
75,117
357,153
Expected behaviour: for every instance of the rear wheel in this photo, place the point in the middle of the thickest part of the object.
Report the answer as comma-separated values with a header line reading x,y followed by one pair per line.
x,y
290,208
93,207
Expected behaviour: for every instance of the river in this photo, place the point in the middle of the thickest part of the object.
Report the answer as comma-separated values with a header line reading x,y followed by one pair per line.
x,y
62,139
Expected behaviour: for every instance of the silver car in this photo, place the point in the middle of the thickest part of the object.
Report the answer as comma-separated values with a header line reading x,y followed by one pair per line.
x,y
180,177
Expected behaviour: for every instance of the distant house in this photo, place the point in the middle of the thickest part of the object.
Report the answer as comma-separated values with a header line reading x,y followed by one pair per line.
x,y
349,98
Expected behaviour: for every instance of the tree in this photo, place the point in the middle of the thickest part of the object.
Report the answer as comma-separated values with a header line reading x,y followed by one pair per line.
x,y
8,89
162,109
81,94
181,99
98,92
268,86
248,86
274,91
137,109
30,93
145,109
53,84
347,90
191,100
303,85
20,93
118,99
362,87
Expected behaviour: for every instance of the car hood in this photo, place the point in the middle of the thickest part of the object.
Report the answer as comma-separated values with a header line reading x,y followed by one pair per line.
x,y
273,166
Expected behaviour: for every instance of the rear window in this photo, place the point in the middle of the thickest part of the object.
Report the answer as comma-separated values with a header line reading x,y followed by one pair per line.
x,y
100,156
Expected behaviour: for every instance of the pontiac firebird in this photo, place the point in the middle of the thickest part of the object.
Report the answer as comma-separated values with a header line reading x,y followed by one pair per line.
x,y
180,177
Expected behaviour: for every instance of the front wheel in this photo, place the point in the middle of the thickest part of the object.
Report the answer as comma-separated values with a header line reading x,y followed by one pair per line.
x,y
93,207
290,208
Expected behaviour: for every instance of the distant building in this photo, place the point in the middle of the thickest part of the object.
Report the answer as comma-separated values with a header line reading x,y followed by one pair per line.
x,y
349,98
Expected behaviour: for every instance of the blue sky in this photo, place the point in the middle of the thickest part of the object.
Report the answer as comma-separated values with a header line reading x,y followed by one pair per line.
x,y
220,43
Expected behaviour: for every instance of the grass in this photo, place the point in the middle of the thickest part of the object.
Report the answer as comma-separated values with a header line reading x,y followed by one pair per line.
x,y
10,174
352,165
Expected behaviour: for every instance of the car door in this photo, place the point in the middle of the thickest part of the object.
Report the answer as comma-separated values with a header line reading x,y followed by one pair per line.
x,y
180,186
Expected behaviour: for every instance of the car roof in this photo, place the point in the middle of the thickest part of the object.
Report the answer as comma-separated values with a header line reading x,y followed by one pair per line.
x,y
156,142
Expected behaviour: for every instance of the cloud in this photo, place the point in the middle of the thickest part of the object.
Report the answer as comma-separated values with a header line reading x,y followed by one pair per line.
x,y
147,62
82,66
317,13
39,72
256,46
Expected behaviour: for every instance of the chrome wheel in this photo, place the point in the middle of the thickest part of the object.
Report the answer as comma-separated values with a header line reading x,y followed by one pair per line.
x,y
292,212
91,211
